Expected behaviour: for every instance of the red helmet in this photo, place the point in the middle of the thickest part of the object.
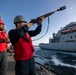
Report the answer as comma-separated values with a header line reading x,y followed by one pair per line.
x,y
1,22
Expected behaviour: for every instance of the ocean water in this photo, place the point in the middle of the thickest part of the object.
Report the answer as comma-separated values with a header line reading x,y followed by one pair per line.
x,y
61,62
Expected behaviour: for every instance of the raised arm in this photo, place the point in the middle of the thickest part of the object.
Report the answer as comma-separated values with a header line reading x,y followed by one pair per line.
x,y
15,34
38,29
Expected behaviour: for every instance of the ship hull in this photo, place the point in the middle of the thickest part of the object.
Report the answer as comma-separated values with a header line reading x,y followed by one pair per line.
x,y
59,46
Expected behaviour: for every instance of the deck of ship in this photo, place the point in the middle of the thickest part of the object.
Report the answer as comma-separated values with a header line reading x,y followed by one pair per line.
x,y
39,69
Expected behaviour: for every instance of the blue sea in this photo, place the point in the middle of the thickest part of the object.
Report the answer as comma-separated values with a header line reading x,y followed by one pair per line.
x,y
61,62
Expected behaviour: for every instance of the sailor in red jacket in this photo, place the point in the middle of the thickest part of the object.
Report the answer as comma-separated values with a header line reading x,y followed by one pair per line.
x,y
23,47
3,47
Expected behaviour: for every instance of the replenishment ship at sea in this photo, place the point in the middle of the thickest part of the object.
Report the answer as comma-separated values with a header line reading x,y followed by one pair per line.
x,y
64,39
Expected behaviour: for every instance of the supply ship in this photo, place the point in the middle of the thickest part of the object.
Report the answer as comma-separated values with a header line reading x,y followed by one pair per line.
x,y
64,39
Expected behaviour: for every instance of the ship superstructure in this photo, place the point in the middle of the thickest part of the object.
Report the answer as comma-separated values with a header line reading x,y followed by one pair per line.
x,y
64,39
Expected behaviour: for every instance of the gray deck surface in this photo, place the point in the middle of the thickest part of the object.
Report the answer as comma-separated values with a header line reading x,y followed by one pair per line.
x,y
11,68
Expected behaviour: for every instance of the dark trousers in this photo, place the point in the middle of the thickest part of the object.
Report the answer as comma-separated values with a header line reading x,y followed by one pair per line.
x,y
25,67
3,63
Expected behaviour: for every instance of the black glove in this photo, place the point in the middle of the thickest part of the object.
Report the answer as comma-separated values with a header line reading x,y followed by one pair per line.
x,y
38,21
33,21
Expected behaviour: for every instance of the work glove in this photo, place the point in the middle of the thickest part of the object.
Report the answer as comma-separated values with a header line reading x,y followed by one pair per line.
x,y
37,20
33,21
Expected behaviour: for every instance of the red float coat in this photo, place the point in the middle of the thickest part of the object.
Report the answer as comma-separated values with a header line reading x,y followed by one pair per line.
x,y
22,43
3,43
23,49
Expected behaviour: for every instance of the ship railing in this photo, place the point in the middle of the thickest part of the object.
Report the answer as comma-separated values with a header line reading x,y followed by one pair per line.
x,y
48,71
